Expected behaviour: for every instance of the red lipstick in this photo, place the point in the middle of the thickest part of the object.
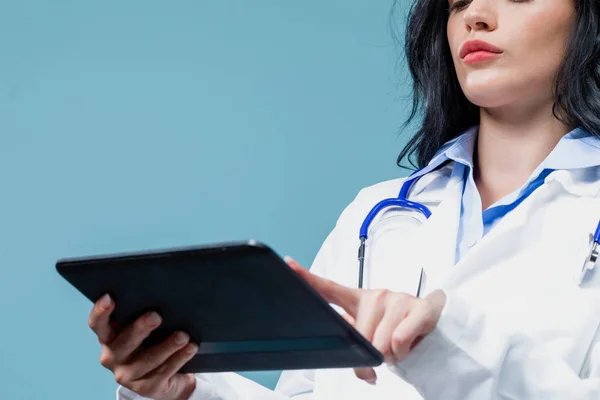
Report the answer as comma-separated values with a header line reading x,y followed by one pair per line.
x,y
474,51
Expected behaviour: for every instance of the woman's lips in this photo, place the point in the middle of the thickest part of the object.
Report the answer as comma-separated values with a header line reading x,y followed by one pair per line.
x,y
474,51
479,56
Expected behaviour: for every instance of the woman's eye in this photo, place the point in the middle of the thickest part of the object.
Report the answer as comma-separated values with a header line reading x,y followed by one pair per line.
x,y
459,5
462,4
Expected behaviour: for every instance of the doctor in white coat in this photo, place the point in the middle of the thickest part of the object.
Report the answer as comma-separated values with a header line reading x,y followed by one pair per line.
x,y
484,299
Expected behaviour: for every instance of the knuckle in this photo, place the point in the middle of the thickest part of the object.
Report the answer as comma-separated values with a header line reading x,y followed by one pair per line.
x,y
162,370
399,338
93,323
398,300
403,298
122,376
380,294
402,302
106,358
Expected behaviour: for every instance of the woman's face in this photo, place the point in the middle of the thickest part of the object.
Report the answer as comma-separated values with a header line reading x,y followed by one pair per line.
x,y
530,37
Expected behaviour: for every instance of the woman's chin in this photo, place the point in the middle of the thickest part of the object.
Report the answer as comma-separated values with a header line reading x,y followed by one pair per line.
x,y
492,87
489,98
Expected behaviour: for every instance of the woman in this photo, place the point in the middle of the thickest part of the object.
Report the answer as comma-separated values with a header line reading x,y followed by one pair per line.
x,y
510,157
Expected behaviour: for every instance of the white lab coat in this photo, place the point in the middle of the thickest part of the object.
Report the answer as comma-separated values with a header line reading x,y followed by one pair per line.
x,y
515,326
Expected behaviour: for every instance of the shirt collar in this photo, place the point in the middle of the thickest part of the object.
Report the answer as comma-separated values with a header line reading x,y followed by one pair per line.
x,y
460,149
577,149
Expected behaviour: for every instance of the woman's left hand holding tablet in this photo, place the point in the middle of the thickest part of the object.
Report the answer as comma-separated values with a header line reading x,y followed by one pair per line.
x,y
152,372
393,322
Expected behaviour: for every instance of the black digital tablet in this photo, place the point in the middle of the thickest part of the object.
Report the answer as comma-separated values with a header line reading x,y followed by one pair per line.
x,y
244,306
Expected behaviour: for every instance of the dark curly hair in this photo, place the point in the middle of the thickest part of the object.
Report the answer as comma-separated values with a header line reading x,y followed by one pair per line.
x,y
438,97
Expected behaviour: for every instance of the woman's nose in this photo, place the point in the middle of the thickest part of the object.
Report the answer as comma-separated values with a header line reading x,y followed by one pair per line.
x,y
481,15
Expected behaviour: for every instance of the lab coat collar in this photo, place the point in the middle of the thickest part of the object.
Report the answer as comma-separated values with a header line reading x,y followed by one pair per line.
x,y
581,182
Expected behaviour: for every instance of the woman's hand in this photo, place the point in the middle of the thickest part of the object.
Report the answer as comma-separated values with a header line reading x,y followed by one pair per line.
x,y
150,373
393,322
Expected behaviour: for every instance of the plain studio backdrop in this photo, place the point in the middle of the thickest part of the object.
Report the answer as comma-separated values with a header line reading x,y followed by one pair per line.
x,y
131,125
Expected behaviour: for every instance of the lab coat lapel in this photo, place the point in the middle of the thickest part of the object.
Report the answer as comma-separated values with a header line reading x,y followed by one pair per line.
x,y
582,216
476,259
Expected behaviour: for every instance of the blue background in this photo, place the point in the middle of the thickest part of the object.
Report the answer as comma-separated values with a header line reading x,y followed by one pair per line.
x,y
129,125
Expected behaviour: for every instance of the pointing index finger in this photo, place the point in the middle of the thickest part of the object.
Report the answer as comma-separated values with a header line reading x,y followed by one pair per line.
x,y
332,292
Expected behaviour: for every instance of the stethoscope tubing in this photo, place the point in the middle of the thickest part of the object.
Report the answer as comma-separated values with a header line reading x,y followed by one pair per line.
x,y
402,202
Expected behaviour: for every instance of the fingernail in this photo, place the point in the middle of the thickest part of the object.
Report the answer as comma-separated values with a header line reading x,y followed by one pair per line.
x,y
191,349
105,301
288,259
372,382
181,338
154,318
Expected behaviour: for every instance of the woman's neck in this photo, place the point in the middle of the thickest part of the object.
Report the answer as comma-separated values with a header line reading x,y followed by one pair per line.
x,y
512,143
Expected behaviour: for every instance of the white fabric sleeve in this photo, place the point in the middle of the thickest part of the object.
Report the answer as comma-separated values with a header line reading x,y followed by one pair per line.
x,y
296,384
468,356
232,386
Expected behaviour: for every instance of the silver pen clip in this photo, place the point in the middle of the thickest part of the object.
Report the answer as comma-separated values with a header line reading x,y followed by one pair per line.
x,y
590,261
420,282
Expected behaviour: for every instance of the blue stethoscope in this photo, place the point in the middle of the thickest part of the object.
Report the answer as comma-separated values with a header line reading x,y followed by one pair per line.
x,y
402,202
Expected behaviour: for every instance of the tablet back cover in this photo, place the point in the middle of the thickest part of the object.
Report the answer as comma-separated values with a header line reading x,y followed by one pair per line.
x,y
240,302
